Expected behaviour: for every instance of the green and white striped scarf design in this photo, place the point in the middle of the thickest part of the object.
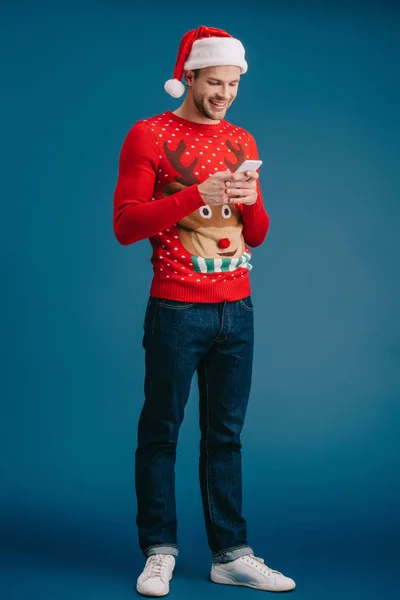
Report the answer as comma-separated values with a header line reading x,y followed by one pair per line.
x,y
221,265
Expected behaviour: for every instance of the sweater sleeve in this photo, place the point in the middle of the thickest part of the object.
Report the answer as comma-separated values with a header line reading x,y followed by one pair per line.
x,y
255,218
136,216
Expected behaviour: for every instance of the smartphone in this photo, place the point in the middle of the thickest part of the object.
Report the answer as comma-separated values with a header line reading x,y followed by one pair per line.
x,y
249,165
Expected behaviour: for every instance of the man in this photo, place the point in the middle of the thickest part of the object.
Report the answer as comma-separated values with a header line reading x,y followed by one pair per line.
x,y
177,186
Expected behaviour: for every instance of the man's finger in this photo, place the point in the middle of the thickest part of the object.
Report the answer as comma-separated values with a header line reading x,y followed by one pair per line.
x,y
252,174
234,185
239,191
222,174
243,200
239,176
230,176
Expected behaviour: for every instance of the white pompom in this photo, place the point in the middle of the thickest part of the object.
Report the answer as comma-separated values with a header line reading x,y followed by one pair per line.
x,y
174,88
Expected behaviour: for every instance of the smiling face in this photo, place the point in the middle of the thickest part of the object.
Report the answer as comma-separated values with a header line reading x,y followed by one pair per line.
x,y
213,89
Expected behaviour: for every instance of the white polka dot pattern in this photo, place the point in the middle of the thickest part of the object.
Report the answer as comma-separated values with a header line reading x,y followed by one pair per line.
x,y
187,154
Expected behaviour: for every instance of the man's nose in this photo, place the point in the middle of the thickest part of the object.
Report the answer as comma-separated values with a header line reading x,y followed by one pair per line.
x,y
224,91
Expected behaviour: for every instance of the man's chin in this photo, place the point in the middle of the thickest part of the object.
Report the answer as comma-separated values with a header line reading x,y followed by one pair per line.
x,y
217,113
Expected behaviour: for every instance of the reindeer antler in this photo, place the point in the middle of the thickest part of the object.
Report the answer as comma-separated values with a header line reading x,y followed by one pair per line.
x,y
238,153
174,157
172,188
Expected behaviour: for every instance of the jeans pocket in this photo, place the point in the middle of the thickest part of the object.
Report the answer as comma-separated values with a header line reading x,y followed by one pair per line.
x,y
247,303
175,304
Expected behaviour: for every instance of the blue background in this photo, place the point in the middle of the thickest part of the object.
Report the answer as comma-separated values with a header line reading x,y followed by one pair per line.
x,y
321,440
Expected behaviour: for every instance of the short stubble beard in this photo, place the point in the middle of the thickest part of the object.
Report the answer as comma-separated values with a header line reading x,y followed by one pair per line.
x,y
200,105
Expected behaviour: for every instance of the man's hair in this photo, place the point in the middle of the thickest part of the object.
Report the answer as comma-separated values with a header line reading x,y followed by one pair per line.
x,y
196,73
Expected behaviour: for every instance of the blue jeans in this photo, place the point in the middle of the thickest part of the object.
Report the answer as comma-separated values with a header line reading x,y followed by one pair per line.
x,y
216,340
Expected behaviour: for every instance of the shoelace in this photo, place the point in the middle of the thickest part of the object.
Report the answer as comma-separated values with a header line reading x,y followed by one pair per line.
x,y
156,564
261,560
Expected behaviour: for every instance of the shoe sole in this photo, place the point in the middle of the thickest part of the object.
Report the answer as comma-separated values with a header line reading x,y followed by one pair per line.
x,y
153,595
217,578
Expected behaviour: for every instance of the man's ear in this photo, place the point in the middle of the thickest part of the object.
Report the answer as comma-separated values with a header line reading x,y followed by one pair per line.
x,y
189,77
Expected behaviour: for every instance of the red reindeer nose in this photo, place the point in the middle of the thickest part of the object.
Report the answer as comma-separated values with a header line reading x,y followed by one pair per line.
x,y
224,243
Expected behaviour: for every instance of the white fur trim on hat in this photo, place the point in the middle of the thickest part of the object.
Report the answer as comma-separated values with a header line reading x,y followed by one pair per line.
x,y
216,51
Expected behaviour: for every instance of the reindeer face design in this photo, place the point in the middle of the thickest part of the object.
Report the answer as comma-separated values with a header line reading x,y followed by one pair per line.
x,y
211,231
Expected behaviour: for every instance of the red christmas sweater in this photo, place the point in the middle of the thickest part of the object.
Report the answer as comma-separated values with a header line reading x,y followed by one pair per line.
x,y
200,253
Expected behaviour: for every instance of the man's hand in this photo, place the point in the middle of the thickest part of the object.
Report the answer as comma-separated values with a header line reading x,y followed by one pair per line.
x,y
242,190
225,187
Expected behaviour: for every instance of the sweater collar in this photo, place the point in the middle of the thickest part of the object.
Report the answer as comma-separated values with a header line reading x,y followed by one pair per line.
x,y
198,126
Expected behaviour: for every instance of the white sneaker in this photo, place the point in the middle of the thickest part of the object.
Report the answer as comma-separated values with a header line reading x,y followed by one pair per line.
x,y
251,571
156,575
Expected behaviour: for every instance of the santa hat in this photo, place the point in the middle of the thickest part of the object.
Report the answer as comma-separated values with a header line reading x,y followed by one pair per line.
x,y
205,47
